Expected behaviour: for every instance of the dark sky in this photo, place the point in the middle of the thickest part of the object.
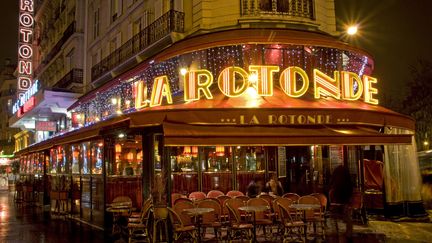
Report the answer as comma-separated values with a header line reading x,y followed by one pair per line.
x,y
395,32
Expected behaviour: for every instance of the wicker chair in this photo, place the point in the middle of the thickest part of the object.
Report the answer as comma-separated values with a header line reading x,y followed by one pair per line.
x,y
181,229
225,213
212,219
214,194
238,229
179,207
139,230
197,195
262,219
234,193
313,217
293,196
291,225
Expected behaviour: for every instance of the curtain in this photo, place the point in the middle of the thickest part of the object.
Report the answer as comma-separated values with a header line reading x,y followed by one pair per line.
x,y
401,170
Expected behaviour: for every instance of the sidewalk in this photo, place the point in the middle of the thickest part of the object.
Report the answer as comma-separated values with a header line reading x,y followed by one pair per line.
x,y
29,224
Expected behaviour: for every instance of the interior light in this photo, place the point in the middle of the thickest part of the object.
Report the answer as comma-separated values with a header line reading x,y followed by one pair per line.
x,y
183,71
121,135
114,101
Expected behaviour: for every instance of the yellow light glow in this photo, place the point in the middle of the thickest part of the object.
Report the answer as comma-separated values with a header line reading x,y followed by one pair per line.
x,y
264,80
227,81
369,90
252,92
160,89
253,78
183,71
325,85
195,82
352,30
114,101
347,82
140,95
288,81
425,143
119,112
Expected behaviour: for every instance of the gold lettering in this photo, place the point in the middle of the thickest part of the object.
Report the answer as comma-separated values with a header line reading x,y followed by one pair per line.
x,y
196,81
369,90
288,81
242,120
227,81
311,119
254,120
325,85
141,94
283,119
301,119
264,75
272,119
347,81
160,89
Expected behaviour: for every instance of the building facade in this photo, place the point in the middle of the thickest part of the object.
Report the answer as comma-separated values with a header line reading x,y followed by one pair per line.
x,y
183,96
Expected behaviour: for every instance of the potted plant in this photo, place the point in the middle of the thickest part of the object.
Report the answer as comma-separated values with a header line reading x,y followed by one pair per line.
x,y
159,197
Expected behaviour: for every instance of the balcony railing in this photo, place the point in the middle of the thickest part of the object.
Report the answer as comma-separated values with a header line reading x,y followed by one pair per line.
x,y
291,8
66,34
172,21
74,76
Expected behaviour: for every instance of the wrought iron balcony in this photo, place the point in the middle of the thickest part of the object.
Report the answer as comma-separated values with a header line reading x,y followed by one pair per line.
x,y
66,35
288,8
172,21
74,76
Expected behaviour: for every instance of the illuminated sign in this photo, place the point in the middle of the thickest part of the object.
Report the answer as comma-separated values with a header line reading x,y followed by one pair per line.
x,y
25,49
26,99
235,81
46,126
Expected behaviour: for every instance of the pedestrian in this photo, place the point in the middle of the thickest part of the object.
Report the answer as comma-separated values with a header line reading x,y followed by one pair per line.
x,y
341,191
274,187
253,189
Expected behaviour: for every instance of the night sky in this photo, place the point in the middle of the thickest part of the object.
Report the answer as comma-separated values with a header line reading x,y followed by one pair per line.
x,y
396,32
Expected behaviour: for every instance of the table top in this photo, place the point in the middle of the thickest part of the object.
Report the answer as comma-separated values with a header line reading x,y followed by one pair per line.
x,y
122,209
303,206
254,208
198,211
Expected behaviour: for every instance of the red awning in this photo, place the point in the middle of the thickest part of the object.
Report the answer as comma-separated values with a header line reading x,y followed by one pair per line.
x,y
183,134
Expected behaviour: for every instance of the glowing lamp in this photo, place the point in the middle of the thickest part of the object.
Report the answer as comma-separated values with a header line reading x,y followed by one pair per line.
x,y
220,150
118,148
187,150
352,30
194,151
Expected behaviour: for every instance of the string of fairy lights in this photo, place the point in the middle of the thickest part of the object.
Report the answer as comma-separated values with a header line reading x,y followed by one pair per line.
x,y
119,99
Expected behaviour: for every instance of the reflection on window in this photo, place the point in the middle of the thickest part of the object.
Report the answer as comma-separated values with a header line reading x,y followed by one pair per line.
x,y
128,156
85,169
217,158
75,158
184,159
53,161
96,157
250,158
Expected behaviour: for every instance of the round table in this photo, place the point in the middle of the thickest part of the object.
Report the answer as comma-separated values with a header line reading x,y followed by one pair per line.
x,y
253,210
304,207
118,211
198,213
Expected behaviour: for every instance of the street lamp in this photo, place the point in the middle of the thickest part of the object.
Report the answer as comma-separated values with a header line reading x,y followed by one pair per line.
x,y
352,30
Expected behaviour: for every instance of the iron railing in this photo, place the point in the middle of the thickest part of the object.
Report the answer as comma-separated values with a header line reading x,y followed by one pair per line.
x,y
74,76
172,21
66,35
289,8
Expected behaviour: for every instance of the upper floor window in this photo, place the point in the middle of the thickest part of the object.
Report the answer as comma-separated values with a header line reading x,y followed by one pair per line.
x,y
96,24
116,9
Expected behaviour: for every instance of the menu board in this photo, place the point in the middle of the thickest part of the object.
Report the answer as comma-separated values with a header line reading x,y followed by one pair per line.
x,y
282,161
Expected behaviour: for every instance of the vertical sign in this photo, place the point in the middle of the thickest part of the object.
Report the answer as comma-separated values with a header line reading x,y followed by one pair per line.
x,y
25,50
282,161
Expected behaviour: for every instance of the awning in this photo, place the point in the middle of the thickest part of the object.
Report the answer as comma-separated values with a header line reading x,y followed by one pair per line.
x,y
185,134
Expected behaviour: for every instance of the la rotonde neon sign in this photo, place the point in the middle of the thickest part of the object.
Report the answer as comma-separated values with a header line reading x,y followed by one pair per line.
x,y
235,81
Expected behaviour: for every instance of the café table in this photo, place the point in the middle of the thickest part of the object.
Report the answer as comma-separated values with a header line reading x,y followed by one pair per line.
x,y
197,213
254,210
118,211
304,207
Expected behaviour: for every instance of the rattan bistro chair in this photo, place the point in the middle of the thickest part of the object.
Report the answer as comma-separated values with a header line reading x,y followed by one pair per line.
x,y
291,225
238,228
139,230
211,219
181,230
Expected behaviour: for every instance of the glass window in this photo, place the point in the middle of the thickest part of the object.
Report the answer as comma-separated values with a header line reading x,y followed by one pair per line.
x,y
250,163
85,153
75,158
184,166
216,162
53,161
128,156
97,157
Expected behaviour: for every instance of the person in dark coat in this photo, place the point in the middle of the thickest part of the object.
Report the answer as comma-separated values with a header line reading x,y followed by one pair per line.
x,y
341,191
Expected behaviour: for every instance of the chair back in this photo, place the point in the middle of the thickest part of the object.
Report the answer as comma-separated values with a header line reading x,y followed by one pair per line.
x,y
222,199
322,199
293,196
310,200
197,195
233,205
268,198
285,215
179,207
176,219
182,199
214,194
175,196
244,199
213,216
234,193
286,202
259,202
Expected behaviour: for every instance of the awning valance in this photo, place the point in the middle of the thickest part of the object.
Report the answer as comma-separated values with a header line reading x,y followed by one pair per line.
x,y
184,134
